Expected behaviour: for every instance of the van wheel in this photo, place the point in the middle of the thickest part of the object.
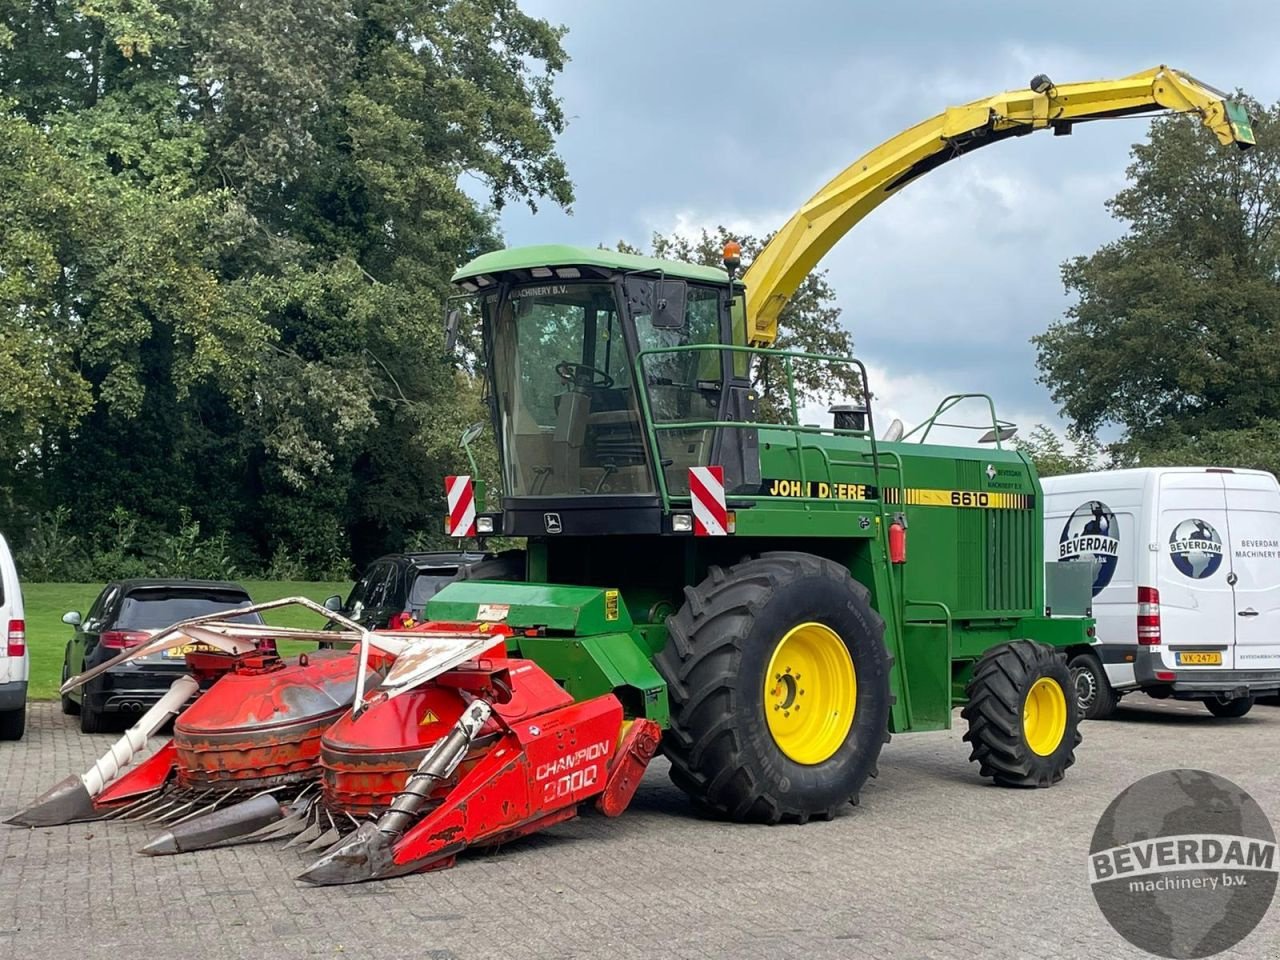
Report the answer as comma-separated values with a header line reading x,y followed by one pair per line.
x,y
1229,708
13,723
1094,695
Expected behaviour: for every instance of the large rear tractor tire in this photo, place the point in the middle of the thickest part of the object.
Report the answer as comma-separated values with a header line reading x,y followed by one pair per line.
x,y
1094,696
778,680
1023,716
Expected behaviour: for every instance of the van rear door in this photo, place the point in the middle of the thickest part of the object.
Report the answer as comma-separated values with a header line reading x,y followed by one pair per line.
x,y
1253,535
1197,609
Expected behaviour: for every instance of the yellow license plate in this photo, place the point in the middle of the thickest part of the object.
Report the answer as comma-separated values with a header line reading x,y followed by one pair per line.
x,y
1193,658
177,653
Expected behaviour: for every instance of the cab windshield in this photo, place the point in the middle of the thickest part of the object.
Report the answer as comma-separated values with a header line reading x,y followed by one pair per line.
x,y
567,412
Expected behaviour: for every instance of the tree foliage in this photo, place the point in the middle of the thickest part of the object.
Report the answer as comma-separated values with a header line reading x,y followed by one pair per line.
x,y
1175,334
1054,456
810,322
226,232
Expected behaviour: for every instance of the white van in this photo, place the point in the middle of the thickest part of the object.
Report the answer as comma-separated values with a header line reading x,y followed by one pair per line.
x,y
14,664
1186,582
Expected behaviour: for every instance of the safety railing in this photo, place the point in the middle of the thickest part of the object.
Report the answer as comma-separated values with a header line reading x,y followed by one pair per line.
x,y
787,358
999,429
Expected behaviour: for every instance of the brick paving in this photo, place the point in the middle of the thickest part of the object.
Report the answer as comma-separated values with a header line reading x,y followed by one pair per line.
x,y
934,863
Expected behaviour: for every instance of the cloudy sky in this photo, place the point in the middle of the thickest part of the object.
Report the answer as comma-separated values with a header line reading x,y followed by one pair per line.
x,y
685,114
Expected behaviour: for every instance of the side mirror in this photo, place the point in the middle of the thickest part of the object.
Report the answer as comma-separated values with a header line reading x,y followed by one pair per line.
x,y
469,434
451,331
71,618
668,309
333,604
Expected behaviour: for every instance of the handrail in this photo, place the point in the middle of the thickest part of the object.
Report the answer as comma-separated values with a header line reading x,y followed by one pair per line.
x,y
950,402
653,426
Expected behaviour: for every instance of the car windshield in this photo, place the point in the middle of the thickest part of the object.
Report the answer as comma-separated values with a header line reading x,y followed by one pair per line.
x,y
154,610
568,414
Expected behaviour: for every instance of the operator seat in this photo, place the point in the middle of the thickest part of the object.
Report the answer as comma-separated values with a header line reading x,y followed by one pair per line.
x,y
572,408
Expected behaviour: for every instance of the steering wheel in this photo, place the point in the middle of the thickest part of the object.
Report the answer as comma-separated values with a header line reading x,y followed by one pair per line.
x,y
581,375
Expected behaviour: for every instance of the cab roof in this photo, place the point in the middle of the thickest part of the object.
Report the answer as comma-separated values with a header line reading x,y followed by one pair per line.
x,y
522,260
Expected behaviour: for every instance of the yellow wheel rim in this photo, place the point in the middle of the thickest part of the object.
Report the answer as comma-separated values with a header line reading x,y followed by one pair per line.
x,y
810,692
1044,716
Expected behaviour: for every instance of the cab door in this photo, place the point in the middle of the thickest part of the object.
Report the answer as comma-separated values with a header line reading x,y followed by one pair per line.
x,y
1253,533
1197,608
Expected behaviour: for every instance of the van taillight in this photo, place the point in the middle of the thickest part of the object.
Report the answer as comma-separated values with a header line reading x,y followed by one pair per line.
x,y
17,638
1148,616
123,639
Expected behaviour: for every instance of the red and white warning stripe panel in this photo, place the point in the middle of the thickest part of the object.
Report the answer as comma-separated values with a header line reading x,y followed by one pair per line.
x,y
710,515
461,495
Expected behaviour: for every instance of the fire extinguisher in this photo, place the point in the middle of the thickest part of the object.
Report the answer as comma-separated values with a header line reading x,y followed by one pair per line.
x,y
898,539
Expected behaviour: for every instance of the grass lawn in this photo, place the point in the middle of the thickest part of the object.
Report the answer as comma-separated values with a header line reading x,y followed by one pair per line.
x,y
47,635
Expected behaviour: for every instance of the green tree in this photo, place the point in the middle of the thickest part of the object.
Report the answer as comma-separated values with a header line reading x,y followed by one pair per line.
x,y
810,323
226,233
1053,456
1175,333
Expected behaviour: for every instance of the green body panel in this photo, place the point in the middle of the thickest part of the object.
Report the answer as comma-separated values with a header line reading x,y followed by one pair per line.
x,y
592,666
581,611
586,640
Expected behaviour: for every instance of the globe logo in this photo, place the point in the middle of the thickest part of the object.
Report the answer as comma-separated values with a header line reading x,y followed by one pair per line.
x,y
1183,864
1092,534
1195,549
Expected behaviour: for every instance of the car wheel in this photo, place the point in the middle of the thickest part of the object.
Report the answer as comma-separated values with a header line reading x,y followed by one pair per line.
x,y
13,723
69,706
92,720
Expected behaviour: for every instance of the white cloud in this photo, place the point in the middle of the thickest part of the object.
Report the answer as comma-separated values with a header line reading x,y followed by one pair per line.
x,y
689,222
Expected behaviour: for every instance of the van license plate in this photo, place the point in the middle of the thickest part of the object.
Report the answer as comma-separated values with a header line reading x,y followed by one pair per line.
x,y
1200,658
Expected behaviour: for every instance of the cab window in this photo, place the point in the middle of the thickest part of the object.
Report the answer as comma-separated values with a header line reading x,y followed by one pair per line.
x,y
684,386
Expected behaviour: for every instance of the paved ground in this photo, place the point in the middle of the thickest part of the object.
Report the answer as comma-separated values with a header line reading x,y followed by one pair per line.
x,y
933,864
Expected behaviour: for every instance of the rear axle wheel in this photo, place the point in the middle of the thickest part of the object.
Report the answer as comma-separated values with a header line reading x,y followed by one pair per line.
x,y
1023,715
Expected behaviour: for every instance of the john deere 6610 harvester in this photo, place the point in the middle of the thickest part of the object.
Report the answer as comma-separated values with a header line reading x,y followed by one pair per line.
x,y
742,590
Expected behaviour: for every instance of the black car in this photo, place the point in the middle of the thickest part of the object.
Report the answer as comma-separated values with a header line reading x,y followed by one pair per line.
x,y
125,614
395,589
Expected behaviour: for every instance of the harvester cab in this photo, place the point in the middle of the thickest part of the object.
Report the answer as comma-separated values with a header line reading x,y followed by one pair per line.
x,y
586,351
